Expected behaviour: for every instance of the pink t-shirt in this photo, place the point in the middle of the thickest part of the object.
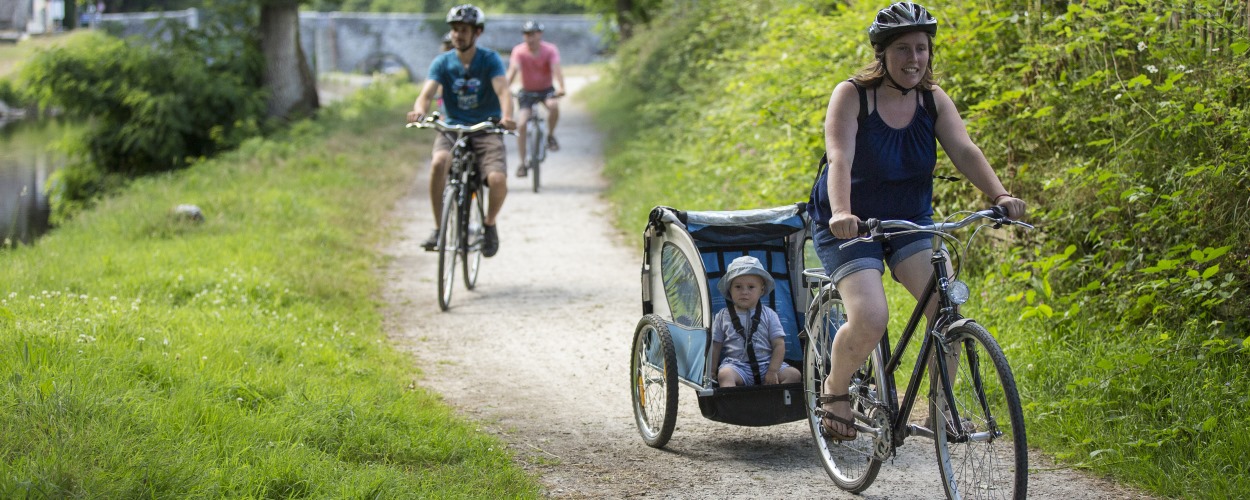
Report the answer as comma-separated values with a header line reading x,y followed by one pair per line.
x,y
535,68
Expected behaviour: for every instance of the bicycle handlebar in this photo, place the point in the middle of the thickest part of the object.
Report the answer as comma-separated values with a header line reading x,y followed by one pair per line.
x,y
875,228
433,121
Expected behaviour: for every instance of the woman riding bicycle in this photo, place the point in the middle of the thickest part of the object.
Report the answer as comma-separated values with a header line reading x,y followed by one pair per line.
x,y
881,142
474,90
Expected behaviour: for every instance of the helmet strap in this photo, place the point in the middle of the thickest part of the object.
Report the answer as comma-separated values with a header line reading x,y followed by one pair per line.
x,y
896,85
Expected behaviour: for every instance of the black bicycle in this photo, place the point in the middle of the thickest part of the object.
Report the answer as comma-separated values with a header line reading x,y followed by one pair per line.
x,y
974,415
461,227
535,136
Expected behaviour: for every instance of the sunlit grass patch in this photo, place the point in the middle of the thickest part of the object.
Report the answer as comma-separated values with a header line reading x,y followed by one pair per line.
x,y
145,354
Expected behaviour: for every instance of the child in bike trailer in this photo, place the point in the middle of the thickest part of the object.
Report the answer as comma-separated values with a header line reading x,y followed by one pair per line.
x,y
748,343
538,63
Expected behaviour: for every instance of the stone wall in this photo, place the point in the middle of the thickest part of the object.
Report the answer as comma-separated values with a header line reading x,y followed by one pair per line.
x,y
365,43
354,42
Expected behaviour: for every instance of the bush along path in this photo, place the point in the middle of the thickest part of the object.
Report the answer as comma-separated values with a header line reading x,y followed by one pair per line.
x,y
539,352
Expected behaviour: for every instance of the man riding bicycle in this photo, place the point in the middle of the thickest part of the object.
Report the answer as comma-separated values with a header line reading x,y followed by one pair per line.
x,y
463,75
538,62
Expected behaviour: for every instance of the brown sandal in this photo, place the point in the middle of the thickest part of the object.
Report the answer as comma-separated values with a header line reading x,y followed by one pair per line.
x,y
826,416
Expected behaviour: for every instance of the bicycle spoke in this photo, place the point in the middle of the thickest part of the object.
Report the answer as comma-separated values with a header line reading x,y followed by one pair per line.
x,y
853,465
984,455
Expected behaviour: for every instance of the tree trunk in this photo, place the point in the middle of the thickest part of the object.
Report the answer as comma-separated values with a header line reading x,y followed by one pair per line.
x,y
292,87
625,18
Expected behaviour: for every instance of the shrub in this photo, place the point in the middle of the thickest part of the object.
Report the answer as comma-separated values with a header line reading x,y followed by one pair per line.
x,y
148,109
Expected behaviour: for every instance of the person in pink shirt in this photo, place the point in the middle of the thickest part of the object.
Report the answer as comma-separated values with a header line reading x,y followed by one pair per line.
x,y
538,63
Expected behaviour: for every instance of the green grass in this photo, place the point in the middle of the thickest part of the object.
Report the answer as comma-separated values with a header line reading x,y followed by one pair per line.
x,y
143,355
1166,410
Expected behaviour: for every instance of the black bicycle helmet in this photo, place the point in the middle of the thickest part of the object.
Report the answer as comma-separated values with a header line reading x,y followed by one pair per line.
x,y
532,26
900,18
467,14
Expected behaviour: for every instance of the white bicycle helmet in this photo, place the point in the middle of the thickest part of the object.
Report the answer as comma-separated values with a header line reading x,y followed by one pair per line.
x,y
468,14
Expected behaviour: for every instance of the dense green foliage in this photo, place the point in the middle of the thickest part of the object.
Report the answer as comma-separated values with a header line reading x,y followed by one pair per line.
x,y
1123,123
143,355
150,108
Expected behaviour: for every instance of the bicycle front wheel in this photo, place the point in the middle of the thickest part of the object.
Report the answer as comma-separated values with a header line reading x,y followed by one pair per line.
x,y
988,458
537,147
475,232
853,465
448,246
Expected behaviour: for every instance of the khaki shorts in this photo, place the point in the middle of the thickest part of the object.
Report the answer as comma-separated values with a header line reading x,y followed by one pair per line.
x,y
489,148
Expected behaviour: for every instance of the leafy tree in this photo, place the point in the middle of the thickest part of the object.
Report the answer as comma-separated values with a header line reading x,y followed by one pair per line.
x,y
627,14
148,109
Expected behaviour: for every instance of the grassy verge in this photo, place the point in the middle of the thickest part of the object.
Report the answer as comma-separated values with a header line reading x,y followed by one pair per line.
x,y
142,354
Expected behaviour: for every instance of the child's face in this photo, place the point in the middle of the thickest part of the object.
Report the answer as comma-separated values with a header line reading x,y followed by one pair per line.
x,y
745,291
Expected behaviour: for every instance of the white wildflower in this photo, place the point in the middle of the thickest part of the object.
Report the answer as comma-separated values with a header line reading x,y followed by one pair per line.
x,y
1141,46
1151,68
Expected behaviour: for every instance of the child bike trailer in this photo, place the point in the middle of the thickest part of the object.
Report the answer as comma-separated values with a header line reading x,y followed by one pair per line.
x,y
685,254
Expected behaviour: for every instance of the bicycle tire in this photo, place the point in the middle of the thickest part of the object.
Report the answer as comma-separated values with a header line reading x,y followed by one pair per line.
x,y
653,381
537,148
475,232
448,246
852,465
993,462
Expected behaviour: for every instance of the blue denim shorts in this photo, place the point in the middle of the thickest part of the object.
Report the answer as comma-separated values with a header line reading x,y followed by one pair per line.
x,y
840,263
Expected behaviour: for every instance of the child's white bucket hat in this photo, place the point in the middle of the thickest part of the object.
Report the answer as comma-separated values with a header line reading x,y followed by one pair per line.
x,y
743,266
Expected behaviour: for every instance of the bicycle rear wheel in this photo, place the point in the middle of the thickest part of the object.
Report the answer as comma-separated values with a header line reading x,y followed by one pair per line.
x,y
449,239
653,381
475,232
991,462
537,147
852,465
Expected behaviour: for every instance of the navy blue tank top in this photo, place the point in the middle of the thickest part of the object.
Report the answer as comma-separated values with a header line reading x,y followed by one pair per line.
x,y
892,173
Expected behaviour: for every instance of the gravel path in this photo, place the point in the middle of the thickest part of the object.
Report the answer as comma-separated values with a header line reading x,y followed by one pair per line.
x,y
539,353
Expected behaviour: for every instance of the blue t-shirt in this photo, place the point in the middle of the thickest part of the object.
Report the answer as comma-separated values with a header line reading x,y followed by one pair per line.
x,y
468,94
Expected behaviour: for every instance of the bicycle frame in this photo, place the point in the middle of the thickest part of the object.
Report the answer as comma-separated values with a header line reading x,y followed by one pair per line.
x,y
947,313
975,418
534,125
463,161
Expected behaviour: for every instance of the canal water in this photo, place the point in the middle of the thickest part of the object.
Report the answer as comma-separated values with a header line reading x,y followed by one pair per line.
x,y
27,161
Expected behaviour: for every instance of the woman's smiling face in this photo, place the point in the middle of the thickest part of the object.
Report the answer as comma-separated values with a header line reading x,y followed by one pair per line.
x,y
907,58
